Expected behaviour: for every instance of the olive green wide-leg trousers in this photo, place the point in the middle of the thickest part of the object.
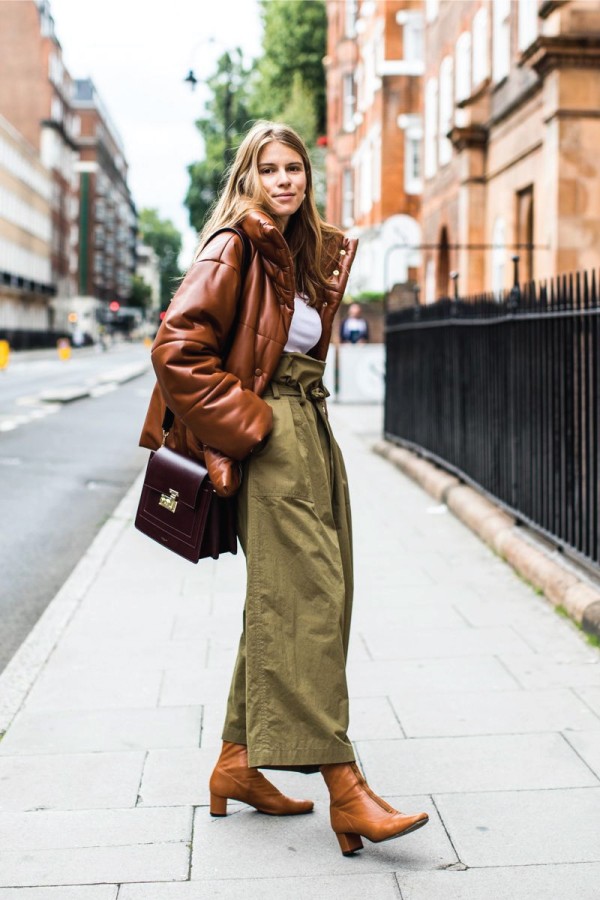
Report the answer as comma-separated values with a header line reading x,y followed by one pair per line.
x,y
289,699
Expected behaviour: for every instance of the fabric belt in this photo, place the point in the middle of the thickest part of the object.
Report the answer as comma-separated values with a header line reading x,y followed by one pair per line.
x,y
315,394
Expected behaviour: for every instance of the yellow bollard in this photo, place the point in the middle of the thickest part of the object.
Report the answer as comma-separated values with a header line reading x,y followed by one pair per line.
x,y
148,342
4,354
63,345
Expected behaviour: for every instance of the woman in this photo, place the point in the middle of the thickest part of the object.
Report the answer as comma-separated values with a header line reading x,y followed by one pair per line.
x,y
239,359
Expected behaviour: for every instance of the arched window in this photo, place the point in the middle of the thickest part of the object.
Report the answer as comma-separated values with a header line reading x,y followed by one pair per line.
x,y
446,109
463,66
431,107
481,49
501,39
528,22
498,257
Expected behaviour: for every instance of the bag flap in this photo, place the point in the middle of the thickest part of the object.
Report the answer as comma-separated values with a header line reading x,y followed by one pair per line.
x,y
169,471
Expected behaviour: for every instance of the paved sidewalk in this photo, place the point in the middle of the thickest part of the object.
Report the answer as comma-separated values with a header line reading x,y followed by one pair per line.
x,y
471,699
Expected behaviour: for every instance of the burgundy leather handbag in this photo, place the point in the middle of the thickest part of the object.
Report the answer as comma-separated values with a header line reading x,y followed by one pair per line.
x,y
180,509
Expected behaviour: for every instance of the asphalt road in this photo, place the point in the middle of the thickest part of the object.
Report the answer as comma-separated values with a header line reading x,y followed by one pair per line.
x,y
63,469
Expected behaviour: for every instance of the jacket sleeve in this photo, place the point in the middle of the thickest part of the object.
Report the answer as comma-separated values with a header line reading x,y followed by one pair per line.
x,y
188,350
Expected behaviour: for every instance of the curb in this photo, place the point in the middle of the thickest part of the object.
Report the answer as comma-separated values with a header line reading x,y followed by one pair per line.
x,y
23,669
499,530
70,393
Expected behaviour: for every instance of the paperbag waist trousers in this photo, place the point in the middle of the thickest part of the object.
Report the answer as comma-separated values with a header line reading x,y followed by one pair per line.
x,y
288,699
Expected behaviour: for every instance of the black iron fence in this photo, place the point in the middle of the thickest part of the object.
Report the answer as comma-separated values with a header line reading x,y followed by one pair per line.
x,y
507,394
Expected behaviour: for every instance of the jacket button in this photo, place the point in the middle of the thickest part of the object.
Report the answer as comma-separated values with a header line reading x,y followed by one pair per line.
x,y
258,372
336,271
342,252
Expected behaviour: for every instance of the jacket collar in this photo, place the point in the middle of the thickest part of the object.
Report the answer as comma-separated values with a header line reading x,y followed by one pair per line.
x,y
271,244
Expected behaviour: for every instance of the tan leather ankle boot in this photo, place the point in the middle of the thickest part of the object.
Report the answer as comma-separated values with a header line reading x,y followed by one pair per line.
x,y
355,810
233,780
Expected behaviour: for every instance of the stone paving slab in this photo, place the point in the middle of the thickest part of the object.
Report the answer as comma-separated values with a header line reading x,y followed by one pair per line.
x,y
103,729
372,677
93,865
524,827
464,764
70,781
251,845
437,643
63,688
587,745
579,882
432,714
45,830
90,892
566,669
299,887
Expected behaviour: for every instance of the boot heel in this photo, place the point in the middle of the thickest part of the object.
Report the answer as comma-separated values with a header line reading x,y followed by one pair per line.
x,y
218,805
349,843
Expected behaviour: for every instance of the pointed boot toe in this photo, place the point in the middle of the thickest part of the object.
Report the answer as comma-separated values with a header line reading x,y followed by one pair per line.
x,y
356,811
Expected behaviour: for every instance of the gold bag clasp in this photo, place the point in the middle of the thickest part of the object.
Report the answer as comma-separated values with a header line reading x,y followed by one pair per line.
x,y
169,502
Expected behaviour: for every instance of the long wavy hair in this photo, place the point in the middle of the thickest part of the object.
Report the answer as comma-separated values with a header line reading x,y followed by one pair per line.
x,y
306,233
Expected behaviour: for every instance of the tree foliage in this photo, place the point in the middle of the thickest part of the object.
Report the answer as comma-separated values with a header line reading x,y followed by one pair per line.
x,y
227,118
141,293
165,240
287,84
294,44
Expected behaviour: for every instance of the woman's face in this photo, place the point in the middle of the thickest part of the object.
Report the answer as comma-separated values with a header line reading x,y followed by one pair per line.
x,y
283,177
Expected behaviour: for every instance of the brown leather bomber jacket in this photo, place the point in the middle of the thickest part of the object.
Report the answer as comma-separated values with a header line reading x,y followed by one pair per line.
x,y
219,414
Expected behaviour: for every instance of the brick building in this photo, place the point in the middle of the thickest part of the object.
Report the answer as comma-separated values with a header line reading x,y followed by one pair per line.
x,y
108,220
512,93
374,66
25,237
35,92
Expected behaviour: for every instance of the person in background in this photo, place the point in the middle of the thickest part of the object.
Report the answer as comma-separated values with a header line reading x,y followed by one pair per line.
x,y
354,329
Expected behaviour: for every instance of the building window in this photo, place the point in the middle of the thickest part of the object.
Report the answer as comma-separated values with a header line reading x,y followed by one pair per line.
x,y
501,40
498,257
446,109
412,35
528,22
481,53
347,198
525,232
413,143
430,282
349,103
431,104
463,66
431,9
350,20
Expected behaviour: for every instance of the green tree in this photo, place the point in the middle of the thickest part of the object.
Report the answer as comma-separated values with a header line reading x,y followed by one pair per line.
x,y
294,44
165,240
226,120
141,293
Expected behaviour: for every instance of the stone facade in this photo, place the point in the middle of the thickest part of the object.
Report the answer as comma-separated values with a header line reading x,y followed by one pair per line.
x,y
512,124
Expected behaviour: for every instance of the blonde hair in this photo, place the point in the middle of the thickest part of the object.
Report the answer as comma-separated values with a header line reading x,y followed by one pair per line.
x,y
306,232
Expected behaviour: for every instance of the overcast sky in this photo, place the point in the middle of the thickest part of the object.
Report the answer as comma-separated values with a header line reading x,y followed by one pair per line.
x,y
138,53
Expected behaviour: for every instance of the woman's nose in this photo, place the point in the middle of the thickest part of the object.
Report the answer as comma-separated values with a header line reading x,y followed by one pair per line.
x,y
283,177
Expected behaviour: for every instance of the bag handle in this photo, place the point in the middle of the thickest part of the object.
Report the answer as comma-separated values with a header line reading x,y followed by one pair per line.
x,y
169,416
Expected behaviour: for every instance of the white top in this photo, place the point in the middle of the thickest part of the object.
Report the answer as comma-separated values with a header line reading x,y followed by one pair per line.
x,y
305,329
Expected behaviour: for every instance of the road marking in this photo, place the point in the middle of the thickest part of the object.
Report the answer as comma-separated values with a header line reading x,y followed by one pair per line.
x,y
102,389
